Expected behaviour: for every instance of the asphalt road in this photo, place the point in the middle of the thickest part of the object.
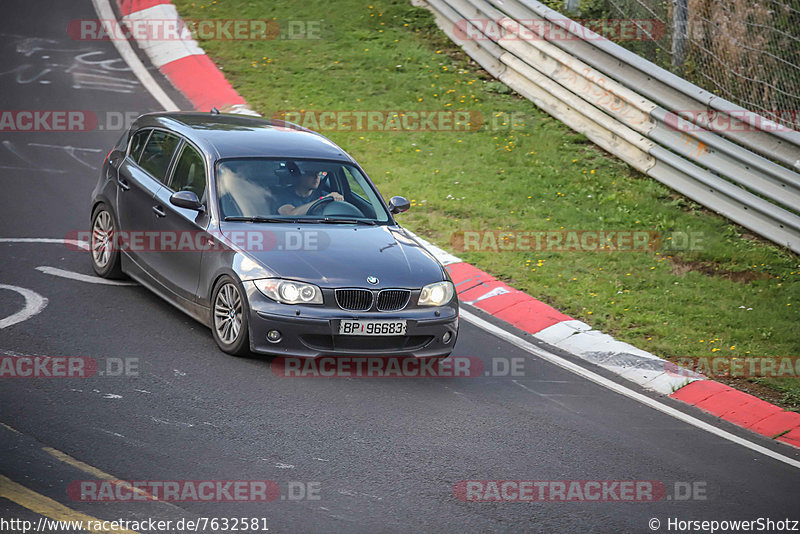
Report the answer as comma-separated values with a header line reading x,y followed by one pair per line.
x,y
384,454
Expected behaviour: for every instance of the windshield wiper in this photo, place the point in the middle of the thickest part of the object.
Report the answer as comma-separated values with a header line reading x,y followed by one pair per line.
x,y
258,219
328,220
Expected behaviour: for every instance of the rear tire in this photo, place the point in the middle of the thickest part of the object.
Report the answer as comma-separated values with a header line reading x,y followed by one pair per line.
x,y
105,255
229,317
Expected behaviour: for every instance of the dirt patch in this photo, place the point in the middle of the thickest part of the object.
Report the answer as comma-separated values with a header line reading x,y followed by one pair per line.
x,y
680,268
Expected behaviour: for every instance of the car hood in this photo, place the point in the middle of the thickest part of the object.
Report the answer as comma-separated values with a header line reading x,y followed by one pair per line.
x,y
331,255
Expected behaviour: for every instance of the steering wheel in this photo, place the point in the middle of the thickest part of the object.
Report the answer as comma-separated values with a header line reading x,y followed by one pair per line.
x,y
341,208
316,205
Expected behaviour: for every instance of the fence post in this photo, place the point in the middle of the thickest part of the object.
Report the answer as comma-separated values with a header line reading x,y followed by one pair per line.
x,y
680,16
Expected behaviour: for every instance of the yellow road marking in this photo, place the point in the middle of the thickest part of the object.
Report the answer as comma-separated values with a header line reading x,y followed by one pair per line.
x,y
14,430
86,468
67,459
46,506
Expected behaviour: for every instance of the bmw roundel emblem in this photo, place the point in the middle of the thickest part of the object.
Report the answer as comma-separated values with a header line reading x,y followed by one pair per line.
x,y
372,280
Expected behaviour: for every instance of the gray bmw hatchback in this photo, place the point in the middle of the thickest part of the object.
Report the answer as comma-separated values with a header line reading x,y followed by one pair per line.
x,y
272,236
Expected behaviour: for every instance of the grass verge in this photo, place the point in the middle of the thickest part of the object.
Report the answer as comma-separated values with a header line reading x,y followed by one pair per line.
x,y
726,294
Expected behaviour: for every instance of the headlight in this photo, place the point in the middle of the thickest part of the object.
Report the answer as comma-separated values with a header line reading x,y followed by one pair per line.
x,y
437,294
289,291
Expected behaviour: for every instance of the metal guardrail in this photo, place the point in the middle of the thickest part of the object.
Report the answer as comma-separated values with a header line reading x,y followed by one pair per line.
x,y
748,172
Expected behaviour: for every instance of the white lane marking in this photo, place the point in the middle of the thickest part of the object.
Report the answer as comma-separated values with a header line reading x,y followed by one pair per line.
x,y
34,303
106,14
82,277
8,145
14,168
83,245
166,422
72,151
112,396
351,493
622,390
284,466
546,397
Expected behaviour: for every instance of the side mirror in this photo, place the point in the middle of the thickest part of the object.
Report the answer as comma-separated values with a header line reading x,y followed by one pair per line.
x,y
398,205
186,199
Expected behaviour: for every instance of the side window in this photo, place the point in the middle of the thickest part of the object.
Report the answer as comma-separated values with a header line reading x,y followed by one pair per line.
x,y
190,174
139,139
355,187
158,153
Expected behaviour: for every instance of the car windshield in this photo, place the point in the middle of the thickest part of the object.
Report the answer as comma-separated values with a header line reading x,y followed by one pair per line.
x,y
265,190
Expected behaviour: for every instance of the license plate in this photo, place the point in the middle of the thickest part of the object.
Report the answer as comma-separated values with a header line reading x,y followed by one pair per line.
x,y
372,328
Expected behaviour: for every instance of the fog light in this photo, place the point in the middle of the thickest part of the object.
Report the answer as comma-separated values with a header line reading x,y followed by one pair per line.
x,y
273,336
446,337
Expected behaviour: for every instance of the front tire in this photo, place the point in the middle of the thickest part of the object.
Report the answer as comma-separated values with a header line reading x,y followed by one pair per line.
x,y
104,253
229,317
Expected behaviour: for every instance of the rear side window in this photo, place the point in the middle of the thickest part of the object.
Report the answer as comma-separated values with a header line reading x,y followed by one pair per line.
x,y
158,153
137,144
190,173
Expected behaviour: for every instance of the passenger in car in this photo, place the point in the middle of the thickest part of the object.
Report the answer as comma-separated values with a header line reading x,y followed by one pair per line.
x,y
240,194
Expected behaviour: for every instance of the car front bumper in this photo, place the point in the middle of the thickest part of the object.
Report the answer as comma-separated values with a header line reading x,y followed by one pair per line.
x,y
313,331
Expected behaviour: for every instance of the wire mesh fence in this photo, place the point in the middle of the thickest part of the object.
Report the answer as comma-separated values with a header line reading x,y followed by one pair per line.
x,y
746,51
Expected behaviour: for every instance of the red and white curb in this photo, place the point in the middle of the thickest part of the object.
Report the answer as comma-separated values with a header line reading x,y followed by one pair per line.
x,y
190,70
547,324
182,60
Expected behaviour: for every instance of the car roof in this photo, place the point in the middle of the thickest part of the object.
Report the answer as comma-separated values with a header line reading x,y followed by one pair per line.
x,y
223,135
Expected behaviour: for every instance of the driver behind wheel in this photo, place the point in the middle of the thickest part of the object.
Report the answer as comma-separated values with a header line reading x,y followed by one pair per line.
x,y
296,199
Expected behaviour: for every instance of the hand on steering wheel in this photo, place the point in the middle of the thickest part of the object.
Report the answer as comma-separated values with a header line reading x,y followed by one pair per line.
x,y
330,197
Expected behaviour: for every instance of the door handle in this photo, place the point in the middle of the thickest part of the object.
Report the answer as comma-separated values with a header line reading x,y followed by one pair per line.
x,y
123,184
159,211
